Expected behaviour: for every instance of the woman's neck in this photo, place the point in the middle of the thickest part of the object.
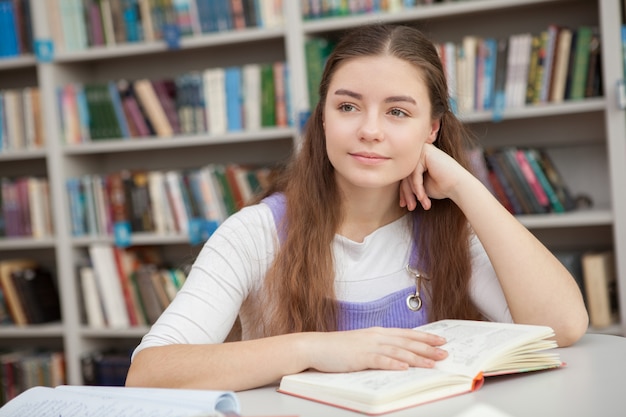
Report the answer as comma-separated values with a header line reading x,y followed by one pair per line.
x,y
365,212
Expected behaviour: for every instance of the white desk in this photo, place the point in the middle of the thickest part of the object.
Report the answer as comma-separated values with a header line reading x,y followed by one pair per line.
x,y
592,384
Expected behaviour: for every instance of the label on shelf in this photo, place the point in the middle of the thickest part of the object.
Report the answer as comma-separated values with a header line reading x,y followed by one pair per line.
x,y
121,234
200,230
44,50
171,36
621,94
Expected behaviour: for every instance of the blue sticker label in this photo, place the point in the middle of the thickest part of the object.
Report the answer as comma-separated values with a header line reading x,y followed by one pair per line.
x,y
121,234
499,105
210,226
195,230
44,50
171,36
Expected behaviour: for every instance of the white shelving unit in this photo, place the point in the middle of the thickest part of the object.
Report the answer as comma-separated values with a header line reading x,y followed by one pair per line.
x,y
586,138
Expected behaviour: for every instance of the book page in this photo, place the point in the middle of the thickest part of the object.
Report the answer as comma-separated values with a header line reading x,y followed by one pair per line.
x,y
223,401
51,402
473,345
92,401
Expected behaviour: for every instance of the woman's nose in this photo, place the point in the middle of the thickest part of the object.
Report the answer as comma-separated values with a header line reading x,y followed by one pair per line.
x,y
371,128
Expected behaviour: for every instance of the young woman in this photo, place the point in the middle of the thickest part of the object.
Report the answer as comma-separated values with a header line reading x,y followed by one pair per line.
x,y
375,227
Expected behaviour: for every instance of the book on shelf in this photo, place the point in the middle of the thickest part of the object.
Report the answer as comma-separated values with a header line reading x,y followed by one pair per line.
x,y
15,28
526,181
143,286
77,25
29,293
107,367
21,123
24,368
215,100
80,400
600,283
488,74
476,350
10,291
37,293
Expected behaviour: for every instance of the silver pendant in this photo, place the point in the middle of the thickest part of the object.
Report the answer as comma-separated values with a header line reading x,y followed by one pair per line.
x,y
414,301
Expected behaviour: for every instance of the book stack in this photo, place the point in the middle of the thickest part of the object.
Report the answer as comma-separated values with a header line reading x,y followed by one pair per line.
x,y
557,64
122,288
25,207
214,101
77,24
162,202
318,9
24,369
21,121
524,180
16,35
105,368
28,293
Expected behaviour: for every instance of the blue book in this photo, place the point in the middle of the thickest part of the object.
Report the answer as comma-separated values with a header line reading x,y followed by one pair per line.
x,y
223,14
131,21
9,37
234,98
489,80
119,111
207,15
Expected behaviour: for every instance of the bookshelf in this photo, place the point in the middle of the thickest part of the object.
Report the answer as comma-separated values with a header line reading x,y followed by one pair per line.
x,y
585,137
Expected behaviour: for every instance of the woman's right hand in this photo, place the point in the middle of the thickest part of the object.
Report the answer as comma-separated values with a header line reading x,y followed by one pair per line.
x,y
373,348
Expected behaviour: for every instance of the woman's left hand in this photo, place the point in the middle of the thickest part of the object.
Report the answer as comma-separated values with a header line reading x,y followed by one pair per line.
x,y
435,176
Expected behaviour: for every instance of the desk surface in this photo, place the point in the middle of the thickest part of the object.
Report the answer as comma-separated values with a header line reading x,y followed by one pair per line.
x,y
592,384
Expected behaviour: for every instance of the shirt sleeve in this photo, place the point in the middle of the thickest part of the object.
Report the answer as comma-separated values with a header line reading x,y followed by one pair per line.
x,y
231,264
485,289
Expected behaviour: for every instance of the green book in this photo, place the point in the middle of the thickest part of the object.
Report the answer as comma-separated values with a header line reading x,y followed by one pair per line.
x,y
581,62
268,96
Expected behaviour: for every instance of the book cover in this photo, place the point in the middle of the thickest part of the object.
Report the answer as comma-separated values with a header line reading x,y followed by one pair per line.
x,y
580,66
600,282
38,294
109,285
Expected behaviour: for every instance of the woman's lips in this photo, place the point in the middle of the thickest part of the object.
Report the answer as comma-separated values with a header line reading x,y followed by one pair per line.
x,y
369,158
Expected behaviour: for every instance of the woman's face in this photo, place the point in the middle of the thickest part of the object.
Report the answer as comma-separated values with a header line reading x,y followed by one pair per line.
x,y
377,117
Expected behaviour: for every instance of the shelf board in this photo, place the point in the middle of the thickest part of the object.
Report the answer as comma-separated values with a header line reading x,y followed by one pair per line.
x,y
579,218
142,238
148,143
422,12
31,331
121,333
20,243
589,105
16,155
20,61
143,48
576,218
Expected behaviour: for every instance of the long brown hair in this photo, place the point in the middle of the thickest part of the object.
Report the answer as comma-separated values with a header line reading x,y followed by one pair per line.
x,y
299,287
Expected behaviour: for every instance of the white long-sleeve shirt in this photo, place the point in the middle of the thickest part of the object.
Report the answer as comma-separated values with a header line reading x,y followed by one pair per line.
x,y
232,264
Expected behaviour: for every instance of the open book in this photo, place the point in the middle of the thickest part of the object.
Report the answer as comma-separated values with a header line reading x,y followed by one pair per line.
x,y
475,349
96,401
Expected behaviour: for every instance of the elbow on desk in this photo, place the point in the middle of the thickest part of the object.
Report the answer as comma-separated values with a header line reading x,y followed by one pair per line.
x,y
572,329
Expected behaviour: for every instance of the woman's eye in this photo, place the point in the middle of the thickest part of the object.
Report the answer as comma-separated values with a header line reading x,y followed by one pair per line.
x,y
397,113
345,107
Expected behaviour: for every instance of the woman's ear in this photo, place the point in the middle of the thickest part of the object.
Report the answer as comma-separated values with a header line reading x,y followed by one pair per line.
x,y
434,131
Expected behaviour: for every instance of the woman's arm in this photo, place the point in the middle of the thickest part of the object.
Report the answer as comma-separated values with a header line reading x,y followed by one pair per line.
x,y
537,287
254,363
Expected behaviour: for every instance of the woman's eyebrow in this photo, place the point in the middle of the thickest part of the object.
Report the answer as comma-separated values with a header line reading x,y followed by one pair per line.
x,y
344,92
392,99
